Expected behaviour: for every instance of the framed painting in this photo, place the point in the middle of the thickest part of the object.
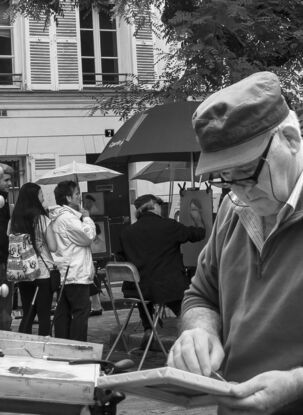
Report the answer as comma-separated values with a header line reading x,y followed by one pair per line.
x,y
196,210
101,246
93,202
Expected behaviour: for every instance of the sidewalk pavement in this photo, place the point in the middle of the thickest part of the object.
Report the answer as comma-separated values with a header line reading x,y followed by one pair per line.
x,y
102,329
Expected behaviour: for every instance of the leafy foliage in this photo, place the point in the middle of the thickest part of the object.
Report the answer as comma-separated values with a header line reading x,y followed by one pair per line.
x,y
45,9
213,43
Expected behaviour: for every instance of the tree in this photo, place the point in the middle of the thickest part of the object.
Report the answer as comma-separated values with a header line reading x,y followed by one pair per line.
x,y
213,43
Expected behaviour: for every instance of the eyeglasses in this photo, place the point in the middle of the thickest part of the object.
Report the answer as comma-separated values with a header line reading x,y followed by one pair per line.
x,y
245,181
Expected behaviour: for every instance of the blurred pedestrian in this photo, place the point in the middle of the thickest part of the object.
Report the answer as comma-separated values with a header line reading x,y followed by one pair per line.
x,y
6,303
29,216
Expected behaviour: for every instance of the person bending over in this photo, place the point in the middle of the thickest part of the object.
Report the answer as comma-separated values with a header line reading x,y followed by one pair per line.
x,y
242,312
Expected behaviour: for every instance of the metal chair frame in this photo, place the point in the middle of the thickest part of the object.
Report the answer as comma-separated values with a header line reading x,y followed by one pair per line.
x,y
126,271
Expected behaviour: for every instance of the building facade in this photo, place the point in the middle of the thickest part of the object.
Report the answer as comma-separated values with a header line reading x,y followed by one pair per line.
x,y
50,76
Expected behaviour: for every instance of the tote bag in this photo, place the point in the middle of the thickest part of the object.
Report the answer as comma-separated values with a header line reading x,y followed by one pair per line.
x,y
22,262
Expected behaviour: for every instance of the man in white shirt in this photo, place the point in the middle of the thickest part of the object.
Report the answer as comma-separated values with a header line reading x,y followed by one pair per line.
x,y
74,231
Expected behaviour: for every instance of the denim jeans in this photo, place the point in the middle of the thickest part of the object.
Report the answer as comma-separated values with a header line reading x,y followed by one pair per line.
x,y
72,312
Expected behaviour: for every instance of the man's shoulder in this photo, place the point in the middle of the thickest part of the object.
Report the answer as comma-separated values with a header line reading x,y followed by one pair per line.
x,y
129,228
65,214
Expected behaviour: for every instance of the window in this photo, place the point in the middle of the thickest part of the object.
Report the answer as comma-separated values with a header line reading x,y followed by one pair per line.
x,y
6,50
98,47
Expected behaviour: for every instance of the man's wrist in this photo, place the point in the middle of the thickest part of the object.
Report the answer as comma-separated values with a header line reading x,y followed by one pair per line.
x,y
202,318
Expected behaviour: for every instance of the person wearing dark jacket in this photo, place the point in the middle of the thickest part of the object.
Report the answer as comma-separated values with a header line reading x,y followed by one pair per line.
x,y
6,303
152,244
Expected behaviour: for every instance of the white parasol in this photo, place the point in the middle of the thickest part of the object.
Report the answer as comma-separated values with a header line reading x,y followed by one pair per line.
x,y
78,172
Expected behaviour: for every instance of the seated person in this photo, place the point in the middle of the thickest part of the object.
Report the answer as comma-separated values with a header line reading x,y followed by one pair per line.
x,y
152,244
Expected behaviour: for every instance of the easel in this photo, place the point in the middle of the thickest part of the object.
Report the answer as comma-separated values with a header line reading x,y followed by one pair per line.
x,y
100,260
37,378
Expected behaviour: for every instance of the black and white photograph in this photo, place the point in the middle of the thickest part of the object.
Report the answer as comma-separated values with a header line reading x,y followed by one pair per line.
x,y
154,147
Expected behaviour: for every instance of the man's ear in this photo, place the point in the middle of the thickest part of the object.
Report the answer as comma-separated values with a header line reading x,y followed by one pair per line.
x,y
293,138
68,198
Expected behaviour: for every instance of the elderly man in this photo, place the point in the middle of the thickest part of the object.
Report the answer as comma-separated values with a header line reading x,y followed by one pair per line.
x,y
243,311
153,245
6,304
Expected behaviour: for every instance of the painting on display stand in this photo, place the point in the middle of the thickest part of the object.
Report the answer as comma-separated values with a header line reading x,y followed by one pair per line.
x,y
93,202
196,209
100,246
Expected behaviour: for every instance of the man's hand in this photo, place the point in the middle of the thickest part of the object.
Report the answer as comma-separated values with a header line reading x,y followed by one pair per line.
x,y
263,394
196,351
85,213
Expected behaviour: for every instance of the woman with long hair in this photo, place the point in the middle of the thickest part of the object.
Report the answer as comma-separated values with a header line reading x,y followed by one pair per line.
x,y
29,216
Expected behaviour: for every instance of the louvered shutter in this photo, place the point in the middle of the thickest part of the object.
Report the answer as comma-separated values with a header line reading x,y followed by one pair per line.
x,y
41,164
145,52
68,50
39,55
53,52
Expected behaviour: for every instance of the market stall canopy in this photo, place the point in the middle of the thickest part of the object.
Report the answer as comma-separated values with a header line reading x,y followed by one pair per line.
x,y
163,132
78,172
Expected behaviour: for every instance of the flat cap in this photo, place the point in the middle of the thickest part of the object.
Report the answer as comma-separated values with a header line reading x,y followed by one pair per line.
x,y
233,125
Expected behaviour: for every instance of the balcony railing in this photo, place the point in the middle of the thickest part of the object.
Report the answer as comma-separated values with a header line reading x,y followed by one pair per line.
x,y
11,79
92,79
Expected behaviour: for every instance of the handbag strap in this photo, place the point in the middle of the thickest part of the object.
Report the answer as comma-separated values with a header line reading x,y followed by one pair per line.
x,y
46,266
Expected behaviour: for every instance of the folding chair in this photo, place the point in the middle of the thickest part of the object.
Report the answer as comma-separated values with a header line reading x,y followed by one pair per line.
x,y
126,271
101,274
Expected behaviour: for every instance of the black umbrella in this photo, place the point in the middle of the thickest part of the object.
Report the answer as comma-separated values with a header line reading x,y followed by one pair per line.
x,y
163,132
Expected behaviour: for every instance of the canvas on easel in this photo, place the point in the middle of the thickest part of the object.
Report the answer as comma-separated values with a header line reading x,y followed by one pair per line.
x,y
101,247
196,207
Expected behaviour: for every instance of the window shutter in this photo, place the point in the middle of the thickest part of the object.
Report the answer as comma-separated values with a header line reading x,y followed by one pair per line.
x,y
68,49
145,52
53,60
39,55
41,164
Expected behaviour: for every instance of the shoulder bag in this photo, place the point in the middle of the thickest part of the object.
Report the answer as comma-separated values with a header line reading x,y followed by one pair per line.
x,y
22,261
54,275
